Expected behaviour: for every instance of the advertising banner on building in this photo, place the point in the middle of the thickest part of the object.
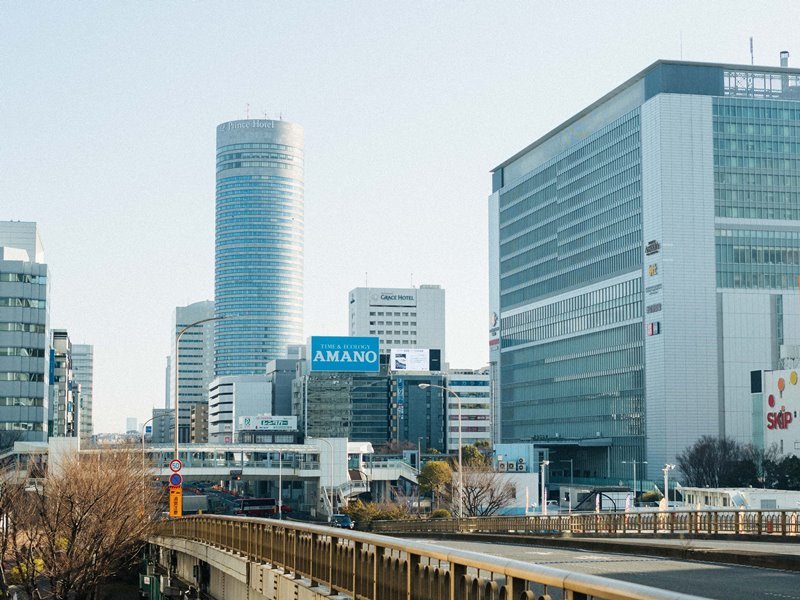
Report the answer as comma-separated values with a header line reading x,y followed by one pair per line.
x,y
267,423
410,359
339,353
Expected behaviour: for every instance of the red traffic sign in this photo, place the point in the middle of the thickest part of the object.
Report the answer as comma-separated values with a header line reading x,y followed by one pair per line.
x,y
176,479
175,465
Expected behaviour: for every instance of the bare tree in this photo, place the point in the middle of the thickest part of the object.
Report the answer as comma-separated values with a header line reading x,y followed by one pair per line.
x,y
86,523
719,462
485,492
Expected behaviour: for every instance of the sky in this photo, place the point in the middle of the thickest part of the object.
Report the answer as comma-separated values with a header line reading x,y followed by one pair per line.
x,y
107,140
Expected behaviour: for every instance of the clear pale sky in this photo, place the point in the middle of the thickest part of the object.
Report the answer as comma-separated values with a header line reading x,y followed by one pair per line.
x,y
107,123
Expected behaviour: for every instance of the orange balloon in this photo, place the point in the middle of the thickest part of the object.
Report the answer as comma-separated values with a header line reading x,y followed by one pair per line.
x,y
781,384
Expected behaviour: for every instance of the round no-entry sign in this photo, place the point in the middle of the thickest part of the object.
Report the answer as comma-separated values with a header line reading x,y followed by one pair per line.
x,y
175,479
175,465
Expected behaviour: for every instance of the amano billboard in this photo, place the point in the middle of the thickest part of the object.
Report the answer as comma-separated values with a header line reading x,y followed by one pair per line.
x,y
340,353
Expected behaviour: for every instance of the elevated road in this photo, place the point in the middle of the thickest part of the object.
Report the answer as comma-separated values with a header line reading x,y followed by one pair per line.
x,y
709,579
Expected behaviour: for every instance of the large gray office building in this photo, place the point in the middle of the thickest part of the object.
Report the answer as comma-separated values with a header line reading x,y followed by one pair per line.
x,y
24,334
644,258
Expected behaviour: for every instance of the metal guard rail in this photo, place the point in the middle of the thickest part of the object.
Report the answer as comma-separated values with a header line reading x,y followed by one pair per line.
x,y
375,567
698,522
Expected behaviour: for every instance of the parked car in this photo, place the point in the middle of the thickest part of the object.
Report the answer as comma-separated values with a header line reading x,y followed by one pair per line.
x,y
342,521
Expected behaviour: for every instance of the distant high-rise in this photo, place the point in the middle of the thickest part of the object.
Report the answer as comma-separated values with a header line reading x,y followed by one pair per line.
x,y
259,244
196,361
24,334
65,393
83,372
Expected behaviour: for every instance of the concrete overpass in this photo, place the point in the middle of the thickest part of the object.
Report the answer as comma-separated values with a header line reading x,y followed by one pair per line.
x,y
231,558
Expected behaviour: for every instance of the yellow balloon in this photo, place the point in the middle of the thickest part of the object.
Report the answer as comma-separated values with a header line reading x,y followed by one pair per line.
x,y
793,377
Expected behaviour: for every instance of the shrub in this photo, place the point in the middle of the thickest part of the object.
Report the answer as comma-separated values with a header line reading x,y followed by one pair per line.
x,y
441,513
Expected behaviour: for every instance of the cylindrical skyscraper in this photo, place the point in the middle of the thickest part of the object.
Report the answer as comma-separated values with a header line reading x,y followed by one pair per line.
x,y
259,244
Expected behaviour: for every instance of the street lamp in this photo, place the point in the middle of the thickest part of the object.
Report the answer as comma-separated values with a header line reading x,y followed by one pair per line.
x,y
419,469
175,370
144,425
425,386
667,468
544,496
634,463
330,447
571,471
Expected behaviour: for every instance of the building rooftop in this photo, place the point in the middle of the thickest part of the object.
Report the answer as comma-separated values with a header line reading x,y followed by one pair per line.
x,y
683,77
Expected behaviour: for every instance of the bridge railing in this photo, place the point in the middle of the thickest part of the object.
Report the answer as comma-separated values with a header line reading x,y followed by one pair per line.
x,y
722,521
375,567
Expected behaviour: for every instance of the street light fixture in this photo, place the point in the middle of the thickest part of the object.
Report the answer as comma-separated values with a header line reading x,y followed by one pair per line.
x,y
175,370
144,425
635,481
330,463
543,464
425,386
667,468
571,471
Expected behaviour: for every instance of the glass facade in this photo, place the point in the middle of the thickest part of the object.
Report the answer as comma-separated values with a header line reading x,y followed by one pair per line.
x,y
574,220
259,244
573,368
24,350
757,177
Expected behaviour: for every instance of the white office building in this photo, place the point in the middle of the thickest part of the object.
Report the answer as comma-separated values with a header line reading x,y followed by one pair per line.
x,y
399,317
195,361
233,396
472,388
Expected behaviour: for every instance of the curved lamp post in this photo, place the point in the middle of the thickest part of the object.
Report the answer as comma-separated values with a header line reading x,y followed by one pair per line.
x,y
460,466
175,371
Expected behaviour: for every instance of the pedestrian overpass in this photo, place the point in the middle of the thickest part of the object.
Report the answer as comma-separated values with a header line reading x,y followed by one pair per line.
x,y
332,470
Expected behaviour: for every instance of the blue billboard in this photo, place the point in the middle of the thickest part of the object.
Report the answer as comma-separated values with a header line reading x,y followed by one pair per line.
x,y
340,353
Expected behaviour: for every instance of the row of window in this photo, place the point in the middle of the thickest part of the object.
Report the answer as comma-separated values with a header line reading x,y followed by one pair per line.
x,y
749,109
737,161
249,155
23,278
20,401
755,145
259,146
387,332
248,164
26,327
20,426
20,376
14,351
611,296
21,302
741,128
395,323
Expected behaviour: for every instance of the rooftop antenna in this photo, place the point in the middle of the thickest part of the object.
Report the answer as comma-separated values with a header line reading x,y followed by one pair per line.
x,y
412,280
680,37
247,111
366,279
751,50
